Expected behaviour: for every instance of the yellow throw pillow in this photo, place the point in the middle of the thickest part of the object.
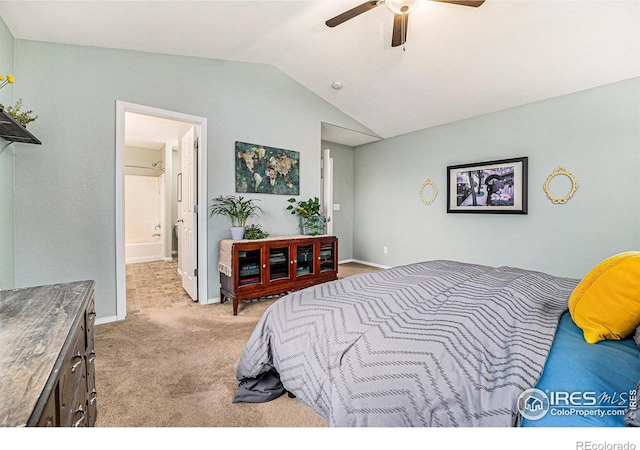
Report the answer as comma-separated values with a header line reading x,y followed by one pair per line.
x,y
606,303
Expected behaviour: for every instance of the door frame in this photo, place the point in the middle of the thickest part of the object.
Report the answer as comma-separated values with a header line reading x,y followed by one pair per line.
x,y
326,175
201,125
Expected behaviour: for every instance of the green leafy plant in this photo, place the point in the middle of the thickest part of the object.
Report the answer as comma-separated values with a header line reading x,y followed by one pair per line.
x,y
236,209
255,231
22,117
312,222
305,209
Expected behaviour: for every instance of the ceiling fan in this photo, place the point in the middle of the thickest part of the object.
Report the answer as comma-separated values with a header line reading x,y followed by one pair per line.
x,y
400,9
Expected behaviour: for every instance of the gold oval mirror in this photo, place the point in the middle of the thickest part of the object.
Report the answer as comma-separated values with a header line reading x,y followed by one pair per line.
x,y
560,184
435,192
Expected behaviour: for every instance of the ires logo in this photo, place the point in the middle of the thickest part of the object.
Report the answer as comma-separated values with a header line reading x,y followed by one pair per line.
x,y
534,404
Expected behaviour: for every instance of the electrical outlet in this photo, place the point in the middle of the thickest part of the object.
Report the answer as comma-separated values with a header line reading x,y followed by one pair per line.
x,y
384,250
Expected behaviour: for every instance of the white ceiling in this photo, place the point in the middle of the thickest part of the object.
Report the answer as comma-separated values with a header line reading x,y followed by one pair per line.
x,y
458,62
151,132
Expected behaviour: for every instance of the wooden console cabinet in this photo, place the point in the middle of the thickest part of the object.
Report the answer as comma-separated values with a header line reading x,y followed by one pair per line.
x,y
47,357
253,269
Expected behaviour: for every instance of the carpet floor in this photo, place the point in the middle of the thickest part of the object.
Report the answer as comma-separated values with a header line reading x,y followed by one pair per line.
x,y
176,368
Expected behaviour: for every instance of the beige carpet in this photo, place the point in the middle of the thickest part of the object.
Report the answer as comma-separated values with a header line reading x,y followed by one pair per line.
x,y
176,367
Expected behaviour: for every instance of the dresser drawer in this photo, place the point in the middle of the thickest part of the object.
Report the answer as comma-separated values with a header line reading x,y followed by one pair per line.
x,y
49,416
73,380
92,407
90,320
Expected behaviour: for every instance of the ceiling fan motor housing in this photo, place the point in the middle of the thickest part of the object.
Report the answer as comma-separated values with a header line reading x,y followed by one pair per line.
x,y
401,6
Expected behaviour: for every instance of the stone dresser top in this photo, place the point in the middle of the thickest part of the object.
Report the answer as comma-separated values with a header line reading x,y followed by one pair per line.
x,y
34,325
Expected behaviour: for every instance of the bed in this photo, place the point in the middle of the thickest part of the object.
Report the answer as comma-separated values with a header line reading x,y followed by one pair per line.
x,y
437,344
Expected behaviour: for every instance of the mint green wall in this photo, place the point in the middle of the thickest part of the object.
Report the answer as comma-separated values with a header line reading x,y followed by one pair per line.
x,y
64,190
6,168
65,207
343,195
595,134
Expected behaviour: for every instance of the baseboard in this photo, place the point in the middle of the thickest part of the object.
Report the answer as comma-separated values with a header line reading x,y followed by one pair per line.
x,y
367,263
210,301
103,320
141,259
346,261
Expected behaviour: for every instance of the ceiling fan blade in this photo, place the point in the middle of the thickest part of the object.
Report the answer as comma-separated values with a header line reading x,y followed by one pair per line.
x,y
353,12
474,3
400,23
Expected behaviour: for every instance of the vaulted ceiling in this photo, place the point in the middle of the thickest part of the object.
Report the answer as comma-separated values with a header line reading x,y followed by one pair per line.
x,y
458,61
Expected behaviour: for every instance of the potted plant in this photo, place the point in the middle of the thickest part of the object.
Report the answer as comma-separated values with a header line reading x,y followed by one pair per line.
x,y
237,210
312,221
24,118
255,231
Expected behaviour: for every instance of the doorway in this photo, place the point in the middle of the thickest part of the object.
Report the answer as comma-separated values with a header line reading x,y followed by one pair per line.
x,y
130,118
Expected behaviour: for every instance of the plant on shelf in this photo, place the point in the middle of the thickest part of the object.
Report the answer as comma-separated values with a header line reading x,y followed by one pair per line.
x,y
24,118
237,210
255,231
312,221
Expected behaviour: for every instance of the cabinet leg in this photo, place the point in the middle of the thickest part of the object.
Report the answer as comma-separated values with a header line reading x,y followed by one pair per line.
x,y
235,306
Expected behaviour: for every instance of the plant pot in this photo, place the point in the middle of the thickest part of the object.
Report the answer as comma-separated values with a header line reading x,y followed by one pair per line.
x,y
312,226
237,233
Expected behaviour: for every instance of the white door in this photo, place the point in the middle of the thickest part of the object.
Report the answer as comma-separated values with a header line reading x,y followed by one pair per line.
x,y
327,189
188,254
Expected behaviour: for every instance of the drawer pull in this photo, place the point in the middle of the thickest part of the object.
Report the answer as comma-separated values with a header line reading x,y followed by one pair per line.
x,y
75,365
81,419
92,356
94,396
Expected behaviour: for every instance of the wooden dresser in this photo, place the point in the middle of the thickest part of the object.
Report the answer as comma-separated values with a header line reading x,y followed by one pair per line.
x,y
257,268
47,357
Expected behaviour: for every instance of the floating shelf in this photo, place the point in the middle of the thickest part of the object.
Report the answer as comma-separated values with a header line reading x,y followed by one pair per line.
x,y
12,131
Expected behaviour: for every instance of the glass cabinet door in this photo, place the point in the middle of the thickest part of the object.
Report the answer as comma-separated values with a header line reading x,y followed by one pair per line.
x,y
279,262
249,263
327,256
304,259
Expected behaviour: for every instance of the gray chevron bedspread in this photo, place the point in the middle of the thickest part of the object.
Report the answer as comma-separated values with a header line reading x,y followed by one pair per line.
x,y
437,343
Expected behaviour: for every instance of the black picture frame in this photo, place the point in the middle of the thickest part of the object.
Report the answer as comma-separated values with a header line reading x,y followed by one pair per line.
x,y
499,187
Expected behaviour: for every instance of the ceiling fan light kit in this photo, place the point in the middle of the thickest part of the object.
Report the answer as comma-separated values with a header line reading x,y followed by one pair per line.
x,y
401,6
400,9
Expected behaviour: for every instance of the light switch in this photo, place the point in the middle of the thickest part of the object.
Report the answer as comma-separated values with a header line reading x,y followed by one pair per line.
x,y
336,206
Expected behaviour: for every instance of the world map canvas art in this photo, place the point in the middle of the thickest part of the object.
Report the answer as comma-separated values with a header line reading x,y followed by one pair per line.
x,y
267,170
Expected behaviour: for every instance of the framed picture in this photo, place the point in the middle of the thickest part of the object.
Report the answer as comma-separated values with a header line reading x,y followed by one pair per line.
x,y
491,187
267,170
